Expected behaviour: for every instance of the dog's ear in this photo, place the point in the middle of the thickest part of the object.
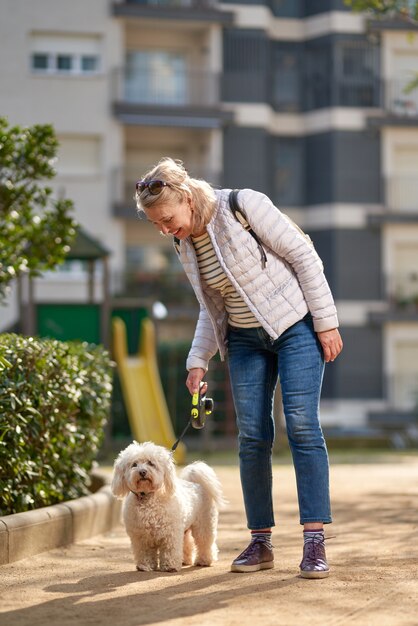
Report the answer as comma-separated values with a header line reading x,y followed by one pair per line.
x,y
118,485
169,475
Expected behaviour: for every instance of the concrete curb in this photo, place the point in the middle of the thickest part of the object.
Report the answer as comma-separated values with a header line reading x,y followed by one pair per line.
x,y
25,534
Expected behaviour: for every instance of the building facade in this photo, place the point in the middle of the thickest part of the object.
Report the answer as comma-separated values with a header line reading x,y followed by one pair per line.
x,y
301,99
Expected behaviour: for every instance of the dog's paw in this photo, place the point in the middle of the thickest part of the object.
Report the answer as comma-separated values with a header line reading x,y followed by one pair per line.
x,y
169,568
142,567
203,563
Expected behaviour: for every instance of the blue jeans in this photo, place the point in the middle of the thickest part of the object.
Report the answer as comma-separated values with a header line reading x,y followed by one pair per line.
x,y
255,363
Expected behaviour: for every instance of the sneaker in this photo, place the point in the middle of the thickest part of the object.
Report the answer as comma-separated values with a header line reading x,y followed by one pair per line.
x,y
314,562
255,557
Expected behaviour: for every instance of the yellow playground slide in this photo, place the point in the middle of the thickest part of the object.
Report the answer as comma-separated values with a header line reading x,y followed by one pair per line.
x,y
143,394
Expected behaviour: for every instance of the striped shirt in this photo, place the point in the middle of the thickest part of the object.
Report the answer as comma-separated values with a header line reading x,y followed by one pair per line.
x,y
213,275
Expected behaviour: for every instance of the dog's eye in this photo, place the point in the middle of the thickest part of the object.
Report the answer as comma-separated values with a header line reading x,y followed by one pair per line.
x,y
151,463
134,464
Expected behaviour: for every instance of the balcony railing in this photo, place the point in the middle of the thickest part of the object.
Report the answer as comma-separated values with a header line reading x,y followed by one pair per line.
x,y
187,11
178,89
401,194
290,93
402,291
401,392
187,4
398,102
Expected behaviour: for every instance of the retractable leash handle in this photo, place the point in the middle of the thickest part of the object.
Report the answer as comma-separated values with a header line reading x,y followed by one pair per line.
x,y
201,407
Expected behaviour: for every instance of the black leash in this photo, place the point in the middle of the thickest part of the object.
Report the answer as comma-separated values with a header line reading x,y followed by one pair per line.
x,y
181,436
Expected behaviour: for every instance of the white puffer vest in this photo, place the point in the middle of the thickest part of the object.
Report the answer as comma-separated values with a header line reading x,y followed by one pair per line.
x,y
291,284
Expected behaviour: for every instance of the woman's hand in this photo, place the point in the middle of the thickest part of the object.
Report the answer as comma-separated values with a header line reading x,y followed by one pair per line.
x,y
331,343
194,379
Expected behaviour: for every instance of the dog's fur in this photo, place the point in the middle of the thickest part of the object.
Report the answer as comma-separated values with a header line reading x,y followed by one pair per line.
x,y
170,520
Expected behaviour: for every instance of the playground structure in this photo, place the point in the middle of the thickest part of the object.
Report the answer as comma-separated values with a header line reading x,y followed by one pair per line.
x,y
146,406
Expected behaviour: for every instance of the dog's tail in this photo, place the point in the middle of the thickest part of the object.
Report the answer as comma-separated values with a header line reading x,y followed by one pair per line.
x,y
200,473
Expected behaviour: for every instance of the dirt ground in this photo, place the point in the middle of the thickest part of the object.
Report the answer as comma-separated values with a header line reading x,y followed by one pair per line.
x,y
373,557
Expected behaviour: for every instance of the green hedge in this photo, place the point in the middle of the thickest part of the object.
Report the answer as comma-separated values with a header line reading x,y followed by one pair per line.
x,y
54,403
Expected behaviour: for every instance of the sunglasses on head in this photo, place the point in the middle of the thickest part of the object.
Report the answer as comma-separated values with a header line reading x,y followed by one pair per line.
x,y
154,186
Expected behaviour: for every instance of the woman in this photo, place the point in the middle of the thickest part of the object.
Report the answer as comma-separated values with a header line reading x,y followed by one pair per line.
x,y
268,305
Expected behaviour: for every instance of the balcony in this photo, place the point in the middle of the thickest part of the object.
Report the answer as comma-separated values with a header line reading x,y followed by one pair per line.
x,y
402,392
401,395
188,99
401,290
400,195
400,108
400,103
290,93
399,418
123,186
184,10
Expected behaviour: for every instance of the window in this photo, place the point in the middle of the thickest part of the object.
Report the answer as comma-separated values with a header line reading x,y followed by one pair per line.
x,y
318,73
400,99
403,384
405,274
64,63
154,77
72,55
286,84
40,61
289,172
357,61
246,64
287,8
402,183
356,72
89,63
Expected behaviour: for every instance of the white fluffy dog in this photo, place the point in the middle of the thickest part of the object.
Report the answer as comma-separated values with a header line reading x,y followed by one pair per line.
x,y
170,521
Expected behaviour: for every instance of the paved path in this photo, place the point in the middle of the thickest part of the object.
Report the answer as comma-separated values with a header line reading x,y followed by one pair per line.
x,y
374,560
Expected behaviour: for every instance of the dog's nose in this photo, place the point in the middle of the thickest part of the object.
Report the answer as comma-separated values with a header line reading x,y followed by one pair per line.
x,y
142,473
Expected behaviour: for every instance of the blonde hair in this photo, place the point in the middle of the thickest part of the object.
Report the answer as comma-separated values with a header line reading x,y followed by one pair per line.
x,y
181,185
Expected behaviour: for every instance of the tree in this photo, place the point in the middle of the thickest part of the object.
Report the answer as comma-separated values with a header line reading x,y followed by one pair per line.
x,y
406,10
35,230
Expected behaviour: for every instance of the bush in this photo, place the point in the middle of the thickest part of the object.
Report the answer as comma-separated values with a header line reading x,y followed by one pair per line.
x,y
54,402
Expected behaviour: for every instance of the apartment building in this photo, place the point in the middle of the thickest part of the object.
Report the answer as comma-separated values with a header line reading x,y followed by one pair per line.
x,y
301,99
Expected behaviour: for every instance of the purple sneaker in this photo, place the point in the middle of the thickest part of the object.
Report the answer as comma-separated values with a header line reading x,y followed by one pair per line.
x,y
314,562
256,556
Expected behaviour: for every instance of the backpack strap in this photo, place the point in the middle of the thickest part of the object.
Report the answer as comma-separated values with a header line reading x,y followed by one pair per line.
x,y
240,217
176,243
